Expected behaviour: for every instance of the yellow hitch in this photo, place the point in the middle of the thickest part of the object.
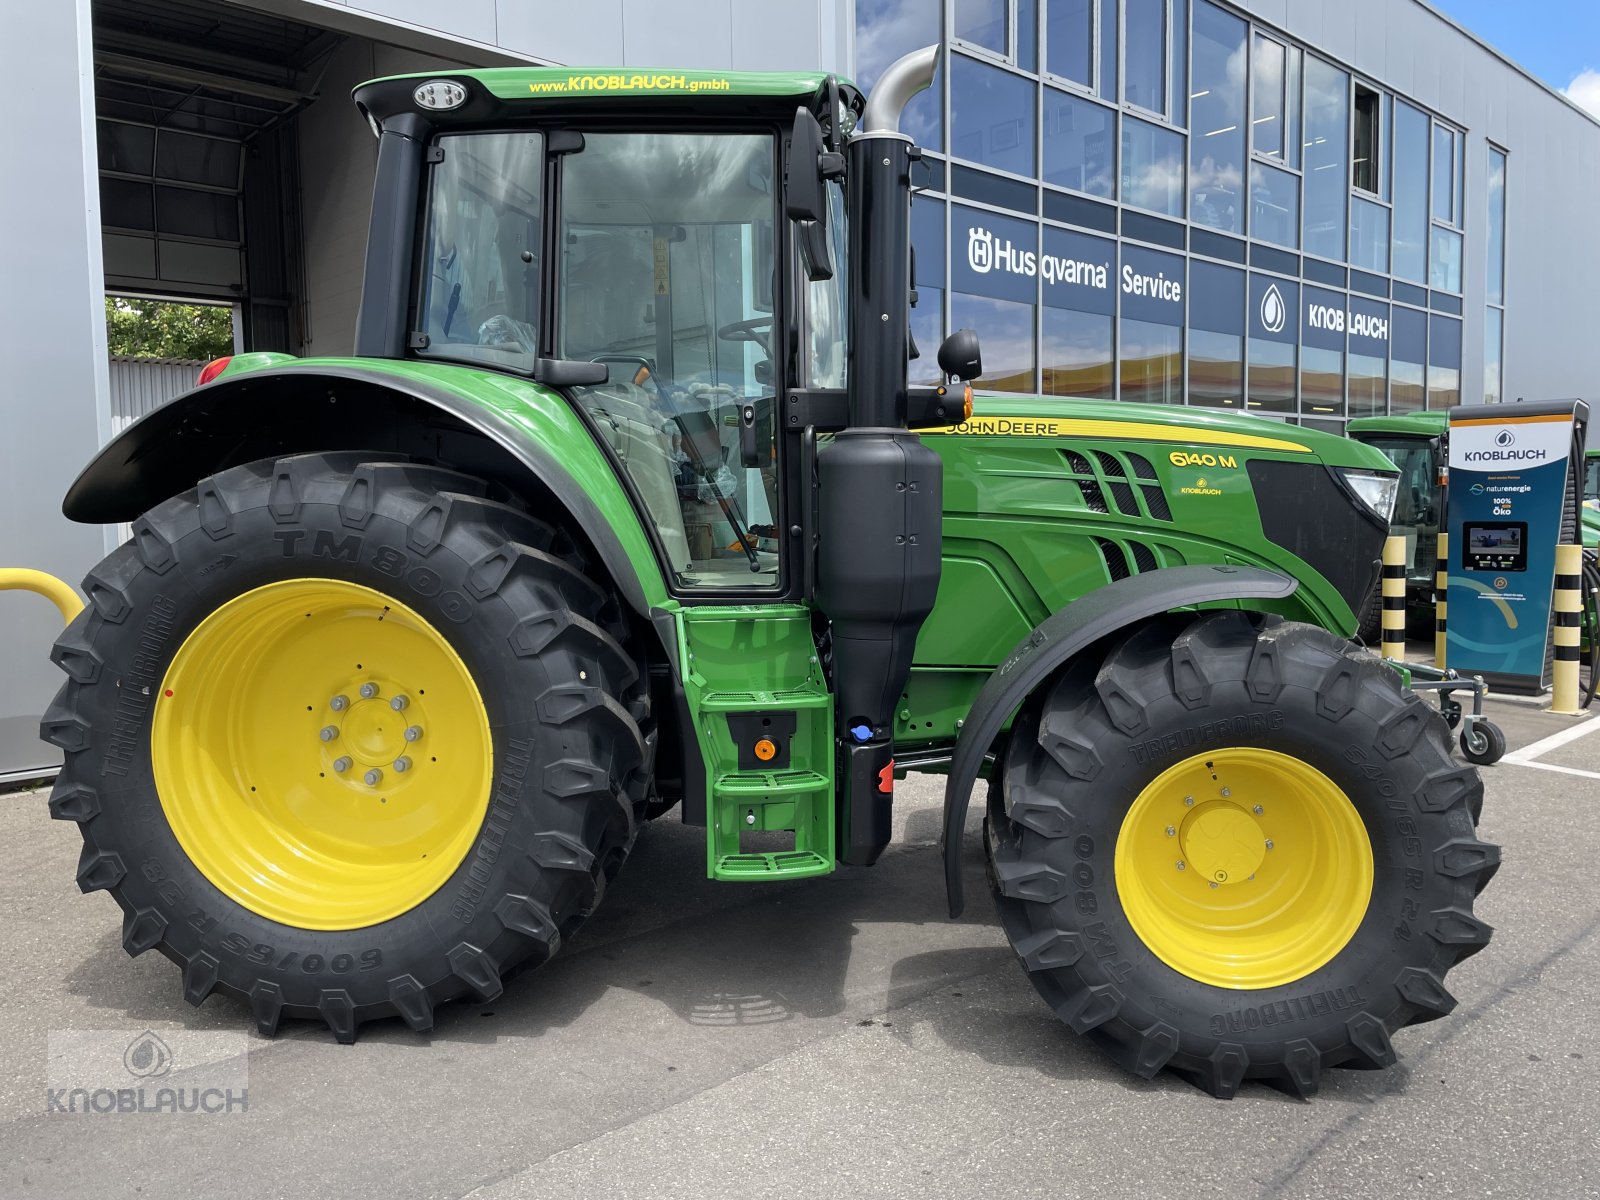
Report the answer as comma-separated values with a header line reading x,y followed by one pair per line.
x,y
58,593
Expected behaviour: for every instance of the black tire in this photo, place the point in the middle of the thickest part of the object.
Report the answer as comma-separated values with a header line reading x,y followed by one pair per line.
x,y
544,643
1484,743
1369,621
1087,746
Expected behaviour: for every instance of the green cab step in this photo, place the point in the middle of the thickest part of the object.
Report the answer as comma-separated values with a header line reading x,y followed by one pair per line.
x,y
770,783
754,701
768,868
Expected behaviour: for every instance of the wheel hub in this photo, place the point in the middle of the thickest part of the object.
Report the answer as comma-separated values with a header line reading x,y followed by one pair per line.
x,y
1223,841
376,722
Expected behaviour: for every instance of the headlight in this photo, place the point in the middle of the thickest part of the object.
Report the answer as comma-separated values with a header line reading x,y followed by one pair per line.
x,y
1375,489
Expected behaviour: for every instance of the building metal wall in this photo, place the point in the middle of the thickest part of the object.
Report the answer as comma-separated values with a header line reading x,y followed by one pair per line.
x,y
141,385
52,354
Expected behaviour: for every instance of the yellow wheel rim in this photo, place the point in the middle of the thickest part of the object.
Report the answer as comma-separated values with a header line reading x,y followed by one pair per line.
x,y
1244,868
321,753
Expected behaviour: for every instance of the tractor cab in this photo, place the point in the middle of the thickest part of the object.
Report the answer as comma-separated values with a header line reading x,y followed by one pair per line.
x,y
1415,444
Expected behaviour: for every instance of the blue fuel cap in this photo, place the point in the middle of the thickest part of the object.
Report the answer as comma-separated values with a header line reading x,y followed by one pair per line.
x,y
861,733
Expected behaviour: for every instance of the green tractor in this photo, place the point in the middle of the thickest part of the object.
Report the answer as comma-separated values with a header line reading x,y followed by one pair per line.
x,y
621,507
1415,443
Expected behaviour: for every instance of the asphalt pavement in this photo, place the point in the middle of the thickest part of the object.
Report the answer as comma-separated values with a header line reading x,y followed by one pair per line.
x,y
832,1037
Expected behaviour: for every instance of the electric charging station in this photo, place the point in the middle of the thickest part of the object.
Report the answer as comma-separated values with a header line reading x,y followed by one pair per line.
x,y
1516,475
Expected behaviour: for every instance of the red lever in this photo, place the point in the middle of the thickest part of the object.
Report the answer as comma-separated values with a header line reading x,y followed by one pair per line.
x,y
886,778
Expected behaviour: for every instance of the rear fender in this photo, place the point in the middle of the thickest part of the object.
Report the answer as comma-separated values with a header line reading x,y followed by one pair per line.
x,y
1094,617
515,432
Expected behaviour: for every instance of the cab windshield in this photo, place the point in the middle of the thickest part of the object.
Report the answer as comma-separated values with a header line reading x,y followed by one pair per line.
x,y
1416,505
667,246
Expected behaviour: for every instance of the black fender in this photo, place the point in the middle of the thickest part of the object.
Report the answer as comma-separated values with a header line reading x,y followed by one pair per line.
x,y
324,406
1057,639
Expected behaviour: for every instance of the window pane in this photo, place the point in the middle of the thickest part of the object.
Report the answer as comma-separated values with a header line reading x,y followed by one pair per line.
x,y
1408,349
1069,44
1028,34
991,116
190,159
1274,205
1369,236
886,29
1444,173
197,214
1151,363
1295,144
1152,167
1445,274
1410,193
1145,55
126,204
1327,171
1444,363
1493,351
1267,124
1006,328
1216,119
1077,355
1180,62
1497,227
1368,140
126,148
1322,382
1368,386
1271,376
1079,144
1108,50
983,23
1216,369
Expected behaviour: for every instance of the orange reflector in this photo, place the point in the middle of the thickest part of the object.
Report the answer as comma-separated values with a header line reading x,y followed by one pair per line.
x,y
966,404
766,749
214,368
886,777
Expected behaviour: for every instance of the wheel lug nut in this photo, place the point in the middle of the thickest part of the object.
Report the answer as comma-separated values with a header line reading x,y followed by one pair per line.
x,y
1171,832
1180,864
368,690
1188,801
1269,843
1213,885
402,763
1227,791
341,765
373,777
329,732
414,733
399,703
339,703
1258,810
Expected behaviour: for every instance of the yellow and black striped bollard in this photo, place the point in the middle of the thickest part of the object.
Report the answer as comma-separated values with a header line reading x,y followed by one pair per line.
x,y
1441,599
1394,598
1568,633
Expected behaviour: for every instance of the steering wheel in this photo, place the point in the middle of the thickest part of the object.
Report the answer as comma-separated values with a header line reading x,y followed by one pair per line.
x,y
756,329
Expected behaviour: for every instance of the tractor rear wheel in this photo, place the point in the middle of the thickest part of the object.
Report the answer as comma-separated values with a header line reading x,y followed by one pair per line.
x,y
346,738
1236,848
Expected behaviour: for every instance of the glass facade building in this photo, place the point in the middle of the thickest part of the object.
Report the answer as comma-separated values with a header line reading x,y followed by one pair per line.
x,y
1171,201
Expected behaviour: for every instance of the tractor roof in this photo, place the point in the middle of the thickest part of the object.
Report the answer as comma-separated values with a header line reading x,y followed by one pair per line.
x,y
504,92
1420,424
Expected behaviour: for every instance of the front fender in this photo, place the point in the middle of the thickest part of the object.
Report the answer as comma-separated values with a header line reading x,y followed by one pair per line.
x,y
1082,623
363,404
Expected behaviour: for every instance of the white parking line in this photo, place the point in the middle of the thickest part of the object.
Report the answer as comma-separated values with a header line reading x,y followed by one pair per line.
x,y
1526,756
1544,745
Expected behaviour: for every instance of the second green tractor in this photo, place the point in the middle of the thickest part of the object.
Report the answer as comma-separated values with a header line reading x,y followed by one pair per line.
x,y
624,507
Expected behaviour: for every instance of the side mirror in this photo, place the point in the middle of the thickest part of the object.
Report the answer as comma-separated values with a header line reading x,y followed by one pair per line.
x,y
960,356
805,201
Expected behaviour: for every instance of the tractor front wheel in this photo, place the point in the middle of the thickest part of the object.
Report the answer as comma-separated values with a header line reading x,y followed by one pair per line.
x,y
346,738
1237,849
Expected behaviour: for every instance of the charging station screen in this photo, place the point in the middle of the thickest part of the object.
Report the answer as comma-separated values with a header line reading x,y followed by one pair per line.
x,y
1499,547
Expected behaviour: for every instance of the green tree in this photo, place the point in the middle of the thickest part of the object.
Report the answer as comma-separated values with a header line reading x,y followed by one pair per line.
x,y
165,329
